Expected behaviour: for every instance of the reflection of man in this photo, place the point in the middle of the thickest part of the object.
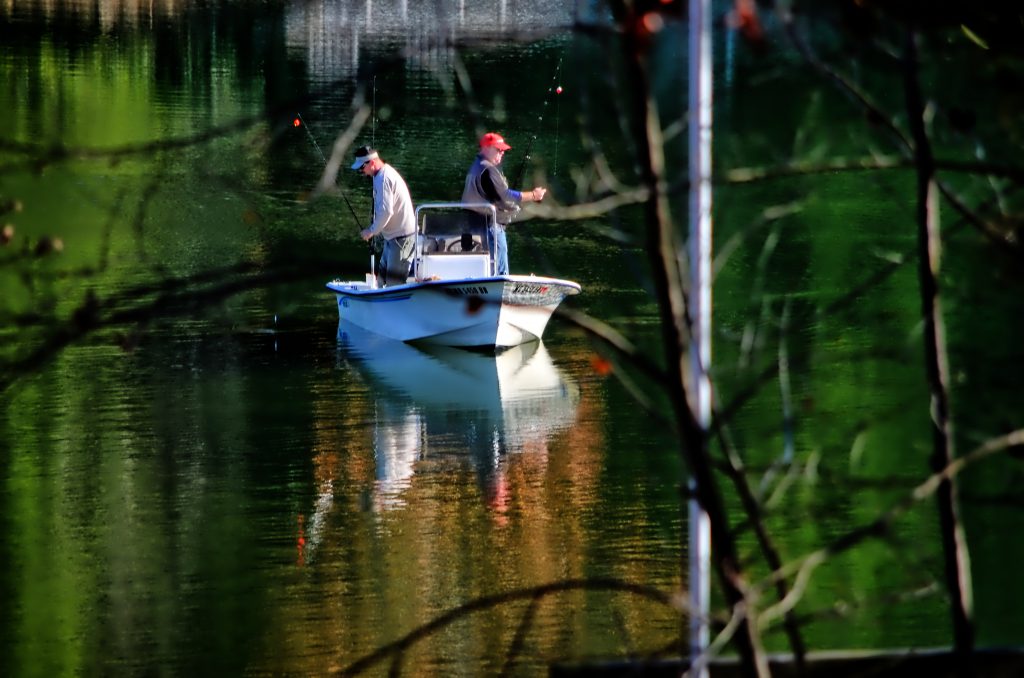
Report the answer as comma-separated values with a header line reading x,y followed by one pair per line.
x,y
397,445
486,183
393,215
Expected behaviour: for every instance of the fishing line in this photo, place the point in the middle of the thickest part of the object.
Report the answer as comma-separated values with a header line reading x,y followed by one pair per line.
x,y
555,88
558,114
300,121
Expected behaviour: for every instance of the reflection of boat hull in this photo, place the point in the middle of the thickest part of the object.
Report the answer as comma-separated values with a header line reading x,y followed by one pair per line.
x,y
518,383
498,311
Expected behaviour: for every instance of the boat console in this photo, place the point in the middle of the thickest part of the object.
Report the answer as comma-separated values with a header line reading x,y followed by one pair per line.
x,y
453,241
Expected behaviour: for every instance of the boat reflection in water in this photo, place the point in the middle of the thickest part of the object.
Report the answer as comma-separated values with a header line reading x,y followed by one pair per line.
x,y
444,405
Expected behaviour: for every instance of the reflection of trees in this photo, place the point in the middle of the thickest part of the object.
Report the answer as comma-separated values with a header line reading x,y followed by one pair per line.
x,y
914,143
546,478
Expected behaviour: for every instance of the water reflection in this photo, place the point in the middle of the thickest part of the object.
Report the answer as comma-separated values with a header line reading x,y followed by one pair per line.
x,y
446,402
328,35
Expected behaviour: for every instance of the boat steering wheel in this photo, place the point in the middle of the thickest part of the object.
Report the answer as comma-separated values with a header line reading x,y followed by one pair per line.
x,y
456,246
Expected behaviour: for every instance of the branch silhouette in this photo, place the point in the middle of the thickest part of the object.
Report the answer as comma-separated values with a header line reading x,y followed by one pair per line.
x,y
533,594
157,300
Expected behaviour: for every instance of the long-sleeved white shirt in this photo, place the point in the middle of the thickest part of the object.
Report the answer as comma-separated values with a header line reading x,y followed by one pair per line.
x,y
393,213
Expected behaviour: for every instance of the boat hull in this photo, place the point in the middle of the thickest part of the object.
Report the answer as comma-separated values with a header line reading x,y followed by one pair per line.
x,y
494,312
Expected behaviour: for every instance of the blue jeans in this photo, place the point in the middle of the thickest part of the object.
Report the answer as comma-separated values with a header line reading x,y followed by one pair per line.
x,y
500,250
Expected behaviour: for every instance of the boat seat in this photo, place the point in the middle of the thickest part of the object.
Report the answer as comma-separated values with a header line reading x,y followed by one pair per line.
x,y
431,244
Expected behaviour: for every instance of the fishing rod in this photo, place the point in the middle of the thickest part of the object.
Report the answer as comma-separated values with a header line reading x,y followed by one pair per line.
x,y
301,122
557,89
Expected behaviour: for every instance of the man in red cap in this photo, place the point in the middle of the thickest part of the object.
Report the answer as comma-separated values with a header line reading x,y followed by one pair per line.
x,y
486,183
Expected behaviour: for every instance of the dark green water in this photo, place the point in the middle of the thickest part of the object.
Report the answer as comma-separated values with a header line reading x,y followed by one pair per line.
x,y
232,484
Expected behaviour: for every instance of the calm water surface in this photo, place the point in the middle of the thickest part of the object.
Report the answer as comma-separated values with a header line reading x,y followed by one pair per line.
x,y
237,484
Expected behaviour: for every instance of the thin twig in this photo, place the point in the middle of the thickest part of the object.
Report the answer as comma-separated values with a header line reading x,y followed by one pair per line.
x,y
880,525
516,648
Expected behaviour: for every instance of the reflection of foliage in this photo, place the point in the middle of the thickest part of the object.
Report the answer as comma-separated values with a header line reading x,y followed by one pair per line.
x,y
929,107
130,311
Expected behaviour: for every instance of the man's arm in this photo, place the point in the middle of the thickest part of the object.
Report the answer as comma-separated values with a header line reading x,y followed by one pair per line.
x,y
383,208
497,191
534,195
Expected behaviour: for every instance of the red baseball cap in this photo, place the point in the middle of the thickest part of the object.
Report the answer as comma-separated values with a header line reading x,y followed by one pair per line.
x,y
493,139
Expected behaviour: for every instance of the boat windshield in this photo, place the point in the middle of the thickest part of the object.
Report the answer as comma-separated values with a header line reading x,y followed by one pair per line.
x,y
454,231
460,230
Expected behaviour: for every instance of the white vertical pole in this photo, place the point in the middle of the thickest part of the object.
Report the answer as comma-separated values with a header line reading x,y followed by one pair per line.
x,y
700,74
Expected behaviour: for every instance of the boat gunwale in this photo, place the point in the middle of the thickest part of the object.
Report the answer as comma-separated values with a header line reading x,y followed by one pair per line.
x,y
336,286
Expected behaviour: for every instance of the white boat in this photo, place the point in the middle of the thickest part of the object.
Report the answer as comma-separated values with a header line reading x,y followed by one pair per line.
x,y
453,297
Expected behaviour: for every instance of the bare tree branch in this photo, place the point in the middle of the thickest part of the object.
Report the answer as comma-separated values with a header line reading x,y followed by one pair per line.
x,y
957,560
399,646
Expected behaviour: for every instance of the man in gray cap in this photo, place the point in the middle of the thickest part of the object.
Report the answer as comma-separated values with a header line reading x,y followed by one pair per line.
x,y
393,215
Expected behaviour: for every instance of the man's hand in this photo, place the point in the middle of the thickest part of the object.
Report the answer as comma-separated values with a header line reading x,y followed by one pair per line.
x,y
365,234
